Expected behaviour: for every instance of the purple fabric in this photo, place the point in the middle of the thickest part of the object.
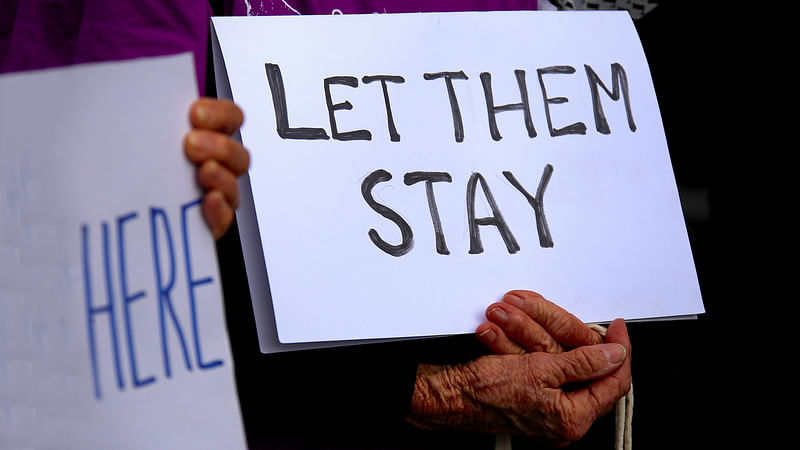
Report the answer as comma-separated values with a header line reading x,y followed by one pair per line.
x,y
308,7
36,34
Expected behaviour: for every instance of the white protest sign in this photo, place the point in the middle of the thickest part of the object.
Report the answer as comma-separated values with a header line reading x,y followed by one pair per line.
x,y
407,170
112,329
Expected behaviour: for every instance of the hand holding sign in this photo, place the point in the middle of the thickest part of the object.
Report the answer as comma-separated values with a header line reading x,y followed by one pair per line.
x,y
533,325
112,312
526,393
527,322
219,158
507,154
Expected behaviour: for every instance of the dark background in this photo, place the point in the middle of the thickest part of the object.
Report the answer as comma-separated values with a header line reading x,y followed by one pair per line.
x,y
693,382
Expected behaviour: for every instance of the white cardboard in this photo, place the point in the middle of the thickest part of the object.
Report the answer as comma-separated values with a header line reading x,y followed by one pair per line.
x,y
620,247
83,147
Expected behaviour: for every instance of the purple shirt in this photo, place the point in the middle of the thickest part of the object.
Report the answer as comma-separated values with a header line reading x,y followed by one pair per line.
x,y
308,7
36,34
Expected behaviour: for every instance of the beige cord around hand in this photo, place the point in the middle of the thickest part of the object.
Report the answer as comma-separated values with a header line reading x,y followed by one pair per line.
x,y
623,416
623,411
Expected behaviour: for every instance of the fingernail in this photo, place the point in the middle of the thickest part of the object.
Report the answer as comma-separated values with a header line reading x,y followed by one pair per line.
x,y
192,140
513,299
196,144
498,315
203,114
614,353
215,198
488,335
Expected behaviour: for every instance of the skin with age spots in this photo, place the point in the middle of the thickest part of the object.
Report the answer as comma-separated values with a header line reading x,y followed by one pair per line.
x,y
520,394
531,389
525,321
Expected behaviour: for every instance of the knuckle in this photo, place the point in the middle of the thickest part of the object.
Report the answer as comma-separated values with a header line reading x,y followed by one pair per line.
x,y
537,341
584,362
515,318
538,307
228,149
551,346
594,361
209,174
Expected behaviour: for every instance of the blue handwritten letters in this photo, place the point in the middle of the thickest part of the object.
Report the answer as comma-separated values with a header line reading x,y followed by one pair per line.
x,y
171,299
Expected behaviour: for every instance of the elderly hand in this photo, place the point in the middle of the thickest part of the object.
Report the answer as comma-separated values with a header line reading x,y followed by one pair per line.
x,y
219,158
551,398
553,376
524,321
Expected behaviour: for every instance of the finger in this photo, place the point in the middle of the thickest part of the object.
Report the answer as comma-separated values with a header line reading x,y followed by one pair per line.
x,y
217,213
607,390
520,327
202,145
565,328
586,363
493,337
617,332
214,177
216,115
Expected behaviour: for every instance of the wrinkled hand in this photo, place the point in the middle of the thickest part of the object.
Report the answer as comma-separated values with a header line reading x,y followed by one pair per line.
x,y
552,377
524,321
219,158
532,394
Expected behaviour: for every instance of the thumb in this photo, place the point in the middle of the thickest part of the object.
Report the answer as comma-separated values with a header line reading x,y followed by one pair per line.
x,y
589,362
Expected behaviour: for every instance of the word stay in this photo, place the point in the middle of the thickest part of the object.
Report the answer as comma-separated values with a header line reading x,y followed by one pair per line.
x,y
536,202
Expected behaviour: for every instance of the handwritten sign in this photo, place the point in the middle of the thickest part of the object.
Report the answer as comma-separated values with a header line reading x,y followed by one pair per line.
x,y
410,169
113,332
